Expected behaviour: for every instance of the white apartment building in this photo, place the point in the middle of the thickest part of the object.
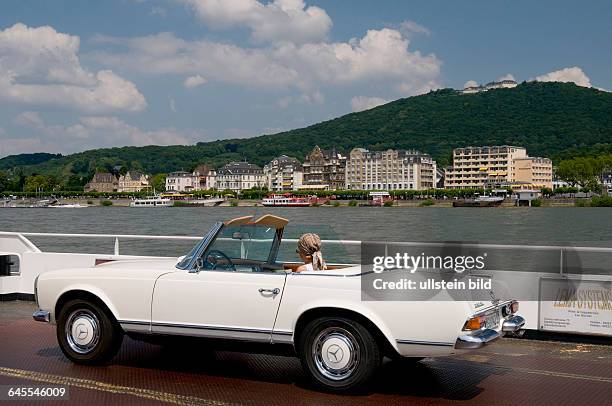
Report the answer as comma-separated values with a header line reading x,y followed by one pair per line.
x,y
497,166
238,176
389,170
283,174
182,181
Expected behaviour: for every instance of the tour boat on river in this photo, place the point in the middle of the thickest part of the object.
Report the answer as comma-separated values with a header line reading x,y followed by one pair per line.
x,y
152,201
286,200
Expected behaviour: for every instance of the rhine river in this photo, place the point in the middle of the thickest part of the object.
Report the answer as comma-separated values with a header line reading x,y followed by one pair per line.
x,y
525,226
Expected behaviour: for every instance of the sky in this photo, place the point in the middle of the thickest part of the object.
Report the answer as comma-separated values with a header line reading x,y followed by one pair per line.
x,y
77,75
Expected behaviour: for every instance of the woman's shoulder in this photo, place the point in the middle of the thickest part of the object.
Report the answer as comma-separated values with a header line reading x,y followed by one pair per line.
x,y
304,268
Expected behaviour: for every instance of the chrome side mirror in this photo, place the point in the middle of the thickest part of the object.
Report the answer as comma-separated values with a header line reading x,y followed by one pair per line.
x,y
199,265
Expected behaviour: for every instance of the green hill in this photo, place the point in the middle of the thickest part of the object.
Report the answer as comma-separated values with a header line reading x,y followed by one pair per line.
x,y
557,120
13,161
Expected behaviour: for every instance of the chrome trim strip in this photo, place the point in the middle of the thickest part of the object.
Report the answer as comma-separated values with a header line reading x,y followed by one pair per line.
x,y
196,330
435,343
230,334
205,327
138,322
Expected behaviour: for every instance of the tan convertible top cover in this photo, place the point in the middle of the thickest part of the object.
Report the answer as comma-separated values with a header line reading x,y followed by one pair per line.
x,y
265,220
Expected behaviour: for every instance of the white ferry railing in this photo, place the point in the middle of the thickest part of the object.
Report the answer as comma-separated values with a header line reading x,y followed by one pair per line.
x,y
118,237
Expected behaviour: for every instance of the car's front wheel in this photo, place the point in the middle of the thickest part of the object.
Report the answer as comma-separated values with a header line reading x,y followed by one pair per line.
x,y
339,354
86,333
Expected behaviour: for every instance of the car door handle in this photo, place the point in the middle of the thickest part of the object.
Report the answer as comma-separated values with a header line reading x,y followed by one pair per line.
x,y
274,291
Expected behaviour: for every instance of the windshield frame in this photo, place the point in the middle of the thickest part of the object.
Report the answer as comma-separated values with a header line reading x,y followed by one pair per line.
x,y
188,262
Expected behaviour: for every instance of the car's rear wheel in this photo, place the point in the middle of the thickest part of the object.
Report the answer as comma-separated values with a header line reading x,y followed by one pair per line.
x,y
339,354
87,334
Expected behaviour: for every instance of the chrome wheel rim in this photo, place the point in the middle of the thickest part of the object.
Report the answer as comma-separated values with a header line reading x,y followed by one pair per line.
x,y
336,353
82,331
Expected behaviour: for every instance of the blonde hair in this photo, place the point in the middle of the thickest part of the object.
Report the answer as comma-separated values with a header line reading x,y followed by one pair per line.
x,y
310,244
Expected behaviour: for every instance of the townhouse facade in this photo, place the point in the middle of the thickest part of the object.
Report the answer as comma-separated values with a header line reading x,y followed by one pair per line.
x,y
283,174
132,181
104,182
324,170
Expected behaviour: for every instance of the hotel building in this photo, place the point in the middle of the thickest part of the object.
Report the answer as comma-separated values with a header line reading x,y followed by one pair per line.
x,y
497,166
390,170
238,176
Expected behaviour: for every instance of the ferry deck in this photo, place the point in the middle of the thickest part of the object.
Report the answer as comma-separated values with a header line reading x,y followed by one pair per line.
x,y
510,372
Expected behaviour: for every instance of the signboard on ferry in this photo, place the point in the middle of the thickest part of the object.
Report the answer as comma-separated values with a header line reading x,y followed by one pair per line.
x,y
579,306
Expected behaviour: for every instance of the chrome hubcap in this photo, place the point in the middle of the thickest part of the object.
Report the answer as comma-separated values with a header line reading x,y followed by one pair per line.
x,y
82,331
336,353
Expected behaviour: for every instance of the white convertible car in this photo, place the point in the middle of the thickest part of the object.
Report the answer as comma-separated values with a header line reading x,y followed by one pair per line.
x,y
230,286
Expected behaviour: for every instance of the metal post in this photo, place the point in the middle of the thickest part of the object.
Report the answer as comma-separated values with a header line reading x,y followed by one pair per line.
x,y
116,245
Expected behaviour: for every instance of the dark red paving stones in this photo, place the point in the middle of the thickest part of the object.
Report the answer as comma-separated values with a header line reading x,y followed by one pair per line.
x,y
511,372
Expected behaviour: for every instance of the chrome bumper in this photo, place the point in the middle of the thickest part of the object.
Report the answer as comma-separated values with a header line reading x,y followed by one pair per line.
x,y
42,315
513,324
477,339
480,338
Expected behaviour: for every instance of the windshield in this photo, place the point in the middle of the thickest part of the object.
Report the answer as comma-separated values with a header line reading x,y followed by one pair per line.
x,y
245,242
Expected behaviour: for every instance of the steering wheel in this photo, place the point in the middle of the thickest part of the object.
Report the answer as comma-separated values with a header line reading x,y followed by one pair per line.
x,y
218,254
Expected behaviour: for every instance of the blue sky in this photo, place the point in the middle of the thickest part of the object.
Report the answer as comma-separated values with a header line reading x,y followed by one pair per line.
x,y
76,75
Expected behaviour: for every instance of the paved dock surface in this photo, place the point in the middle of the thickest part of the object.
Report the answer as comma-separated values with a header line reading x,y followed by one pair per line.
x,y
511,372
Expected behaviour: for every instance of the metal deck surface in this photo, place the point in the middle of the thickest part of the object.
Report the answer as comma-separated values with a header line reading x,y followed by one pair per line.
x,y
510,372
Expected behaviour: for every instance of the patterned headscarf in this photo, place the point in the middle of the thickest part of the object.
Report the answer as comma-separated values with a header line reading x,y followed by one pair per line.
x,y
310,244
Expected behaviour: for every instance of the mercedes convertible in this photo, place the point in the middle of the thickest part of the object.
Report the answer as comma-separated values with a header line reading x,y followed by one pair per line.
x,y
231,287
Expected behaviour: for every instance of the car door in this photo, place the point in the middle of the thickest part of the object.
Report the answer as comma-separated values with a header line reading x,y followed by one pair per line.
x,y
217,304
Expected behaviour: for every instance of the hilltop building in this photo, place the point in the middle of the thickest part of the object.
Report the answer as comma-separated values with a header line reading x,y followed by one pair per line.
x,y
497,166
390,170
132,181
103,182
324,169
238,176
283,174
502,84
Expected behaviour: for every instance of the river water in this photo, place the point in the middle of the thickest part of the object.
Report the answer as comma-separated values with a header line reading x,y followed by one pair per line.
x,y
526,226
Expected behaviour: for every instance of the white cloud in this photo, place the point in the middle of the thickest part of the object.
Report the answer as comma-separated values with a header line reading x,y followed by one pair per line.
x,y
173,105
412,27
40,66
470,83
90,132
276,21
360,103
194,81
158,11
380,57
573,74
507,76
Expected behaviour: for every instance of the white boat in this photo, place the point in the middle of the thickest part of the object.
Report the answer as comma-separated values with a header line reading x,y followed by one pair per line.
x,y
67,206
286,200
152,201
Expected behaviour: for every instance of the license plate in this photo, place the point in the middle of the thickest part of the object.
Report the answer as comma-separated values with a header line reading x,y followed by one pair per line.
x,y
492,320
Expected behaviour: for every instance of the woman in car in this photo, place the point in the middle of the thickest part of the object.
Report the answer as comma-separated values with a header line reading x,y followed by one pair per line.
x,y
309,250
